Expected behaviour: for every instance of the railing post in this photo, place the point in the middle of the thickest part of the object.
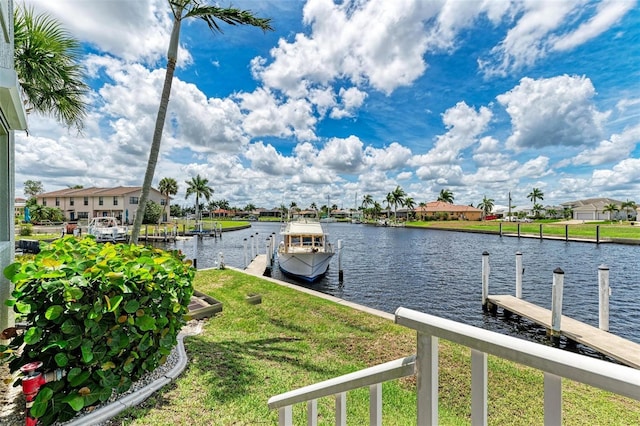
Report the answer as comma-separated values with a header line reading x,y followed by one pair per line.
x,y
375,404
246,262
485,279
552,399
285,416
597,234
566,232
340,271
540,231
478,388
519,272
605,292
556,303
427,379
518,230
500,228
252,249
312,412
341,409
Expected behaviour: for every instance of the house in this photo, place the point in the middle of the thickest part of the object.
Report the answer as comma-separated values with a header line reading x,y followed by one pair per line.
x,y
437,210
592,209
19,206
85,203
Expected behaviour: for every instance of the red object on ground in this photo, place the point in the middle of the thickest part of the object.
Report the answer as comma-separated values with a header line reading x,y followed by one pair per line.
x,y
31,383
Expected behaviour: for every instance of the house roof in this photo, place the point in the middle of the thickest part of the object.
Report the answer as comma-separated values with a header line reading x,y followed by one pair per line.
x,y
591,203
93,191
441,206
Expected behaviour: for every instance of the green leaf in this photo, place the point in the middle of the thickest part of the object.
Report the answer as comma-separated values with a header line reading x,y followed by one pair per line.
x,y
53,312
23,308
72,294
131,306
12,270
75,400
33,335
40,403
61,359
70,327
87,352
77,376
114,302
146,323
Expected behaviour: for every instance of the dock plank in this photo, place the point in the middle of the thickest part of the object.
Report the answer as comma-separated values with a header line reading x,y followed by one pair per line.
x,y
618,348
257,265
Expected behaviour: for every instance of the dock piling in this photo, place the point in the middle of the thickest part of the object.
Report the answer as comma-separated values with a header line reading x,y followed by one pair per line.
x,y
605,292
246,261
519,272
485,279
556,304
340,272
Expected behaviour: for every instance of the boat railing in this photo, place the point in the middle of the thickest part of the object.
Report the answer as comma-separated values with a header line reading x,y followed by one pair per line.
x,y
555,363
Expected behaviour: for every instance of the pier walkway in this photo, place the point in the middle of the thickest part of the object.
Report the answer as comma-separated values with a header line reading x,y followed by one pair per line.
x,y
622,350
257,266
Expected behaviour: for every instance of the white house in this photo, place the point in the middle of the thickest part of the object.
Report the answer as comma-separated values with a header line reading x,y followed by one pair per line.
x,y
592,209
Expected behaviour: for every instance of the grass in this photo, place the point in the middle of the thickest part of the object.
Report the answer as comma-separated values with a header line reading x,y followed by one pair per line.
x,y
587,230
249,353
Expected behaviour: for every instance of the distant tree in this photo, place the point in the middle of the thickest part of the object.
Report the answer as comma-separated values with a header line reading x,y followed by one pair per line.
x,y
389,200
200,187
610,208
397,197
152,212
551,213
224,205
167,187
537,208
33,188
628,205
376,209
410,204
183,10
76,186
535,195
249,207
486,205
567,213
446,196
334,207
176,210
313,206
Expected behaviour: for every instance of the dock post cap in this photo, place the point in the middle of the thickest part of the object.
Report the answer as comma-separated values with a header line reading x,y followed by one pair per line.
x,y
558,270
603,267
518,253
485,253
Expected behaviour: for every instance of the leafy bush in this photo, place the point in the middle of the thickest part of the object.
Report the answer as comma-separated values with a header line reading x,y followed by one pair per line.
x,y
26,230
105,313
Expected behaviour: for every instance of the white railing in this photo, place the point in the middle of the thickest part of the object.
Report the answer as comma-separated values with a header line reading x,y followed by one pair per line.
x,y
555,363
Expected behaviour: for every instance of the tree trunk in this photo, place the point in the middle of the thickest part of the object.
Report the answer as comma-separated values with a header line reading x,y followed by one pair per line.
x,y
172,57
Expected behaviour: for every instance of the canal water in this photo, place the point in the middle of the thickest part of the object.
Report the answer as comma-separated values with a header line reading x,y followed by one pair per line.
x,y
440,272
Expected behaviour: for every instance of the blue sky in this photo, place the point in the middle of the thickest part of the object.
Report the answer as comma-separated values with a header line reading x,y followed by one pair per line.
x,y
351,98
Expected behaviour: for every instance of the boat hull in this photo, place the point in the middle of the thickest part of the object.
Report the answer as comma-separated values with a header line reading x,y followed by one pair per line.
x,y
304,266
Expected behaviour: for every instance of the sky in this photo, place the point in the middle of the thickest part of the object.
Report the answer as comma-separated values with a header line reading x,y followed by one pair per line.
x,y
352,98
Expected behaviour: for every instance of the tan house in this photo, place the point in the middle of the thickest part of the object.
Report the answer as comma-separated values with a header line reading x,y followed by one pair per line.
x,y
593,209
86,203
438,210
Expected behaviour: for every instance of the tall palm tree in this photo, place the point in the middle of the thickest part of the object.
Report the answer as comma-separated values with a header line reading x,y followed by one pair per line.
x,y
167,187
610,208
200,187
486,205
535,195
446,196
397,197
537,208
409,203
185,9
367,201
47,62
389,200
628,205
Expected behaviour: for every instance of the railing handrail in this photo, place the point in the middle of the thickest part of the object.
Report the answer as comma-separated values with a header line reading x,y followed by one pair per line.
x,y
598,373
391,370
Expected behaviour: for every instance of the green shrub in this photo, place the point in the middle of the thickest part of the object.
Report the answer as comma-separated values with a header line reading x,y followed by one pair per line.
x,y
26,230
104,313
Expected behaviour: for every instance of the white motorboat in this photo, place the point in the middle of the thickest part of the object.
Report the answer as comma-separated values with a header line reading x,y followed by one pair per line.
x,y
106,228
305,251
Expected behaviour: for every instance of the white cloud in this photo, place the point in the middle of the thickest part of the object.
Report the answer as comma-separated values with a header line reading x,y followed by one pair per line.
x,y
342,155
552,112
624,173
535,168
388,158
618,147
608,13
265,158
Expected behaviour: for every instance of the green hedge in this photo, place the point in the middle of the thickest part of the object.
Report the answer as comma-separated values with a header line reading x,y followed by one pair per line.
x,y
104,313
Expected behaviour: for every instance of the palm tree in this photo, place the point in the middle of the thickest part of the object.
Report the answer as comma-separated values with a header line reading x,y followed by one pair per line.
x,y
628,205
367,201
551,213
409,203
446,196
185,9
535,195
47,62
486,205
377,208
610,208
167,187
397,197
200,187
389,200
536,209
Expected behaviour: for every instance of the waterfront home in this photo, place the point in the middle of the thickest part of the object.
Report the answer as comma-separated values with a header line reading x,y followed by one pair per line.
x,y
592,209
82,204
438,210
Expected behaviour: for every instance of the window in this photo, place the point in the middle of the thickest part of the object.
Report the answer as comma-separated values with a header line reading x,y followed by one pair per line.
x,y
133,200
101,201
83,215
44,202
163,202
71,202
86,201
57,202
115,201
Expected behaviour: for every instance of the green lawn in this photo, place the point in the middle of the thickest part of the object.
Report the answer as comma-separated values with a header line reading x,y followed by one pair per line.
x,y
249,353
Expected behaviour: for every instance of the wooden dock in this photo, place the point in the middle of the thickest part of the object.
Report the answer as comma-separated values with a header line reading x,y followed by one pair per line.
x,y
622,350
257,266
